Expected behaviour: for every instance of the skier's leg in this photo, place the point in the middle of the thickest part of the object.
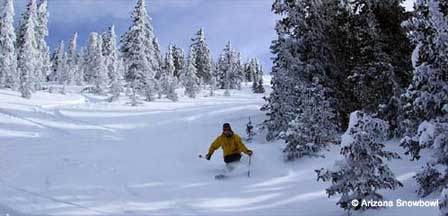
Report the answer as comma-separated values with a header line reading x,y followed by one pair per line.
x,y
230,166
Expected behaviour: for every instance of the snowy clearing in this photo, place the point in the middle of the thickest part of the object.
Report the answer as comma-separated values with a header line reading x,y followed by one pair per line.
x,y
77,155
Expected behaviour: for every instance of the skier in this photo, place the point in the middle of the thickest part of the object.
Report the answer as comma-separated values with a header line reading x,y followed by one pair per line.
x,y
231,145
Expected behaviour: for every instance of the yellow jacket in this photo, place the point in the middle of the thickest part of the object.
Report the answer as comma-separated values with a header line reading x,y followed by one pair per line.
x,y
230,145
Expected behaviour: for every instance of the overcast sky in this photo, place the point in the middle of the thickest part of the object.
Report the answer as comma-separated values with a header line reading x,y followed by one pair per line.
x,y
249,24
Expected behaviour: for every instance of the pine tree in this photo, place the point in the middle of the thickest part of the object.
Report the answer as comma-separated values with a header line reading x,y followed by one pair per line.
x,y
360,44
220,72
63,70
90,58
251,70
8,58
139,54
362,172
370,53
313,128
100,79
256,71
227,65
178,60
300,55
433,177
72,72
227,83
239,72
158,62
203,59
80,78
167,75
112,62
44,62
57,64
110,52
377,74
189,78
426,95
426,101
27,50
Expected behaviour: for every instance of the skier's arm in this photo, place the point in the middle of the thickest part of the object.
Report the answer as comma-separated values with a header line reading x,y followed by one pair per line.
x,y
215,145
243,147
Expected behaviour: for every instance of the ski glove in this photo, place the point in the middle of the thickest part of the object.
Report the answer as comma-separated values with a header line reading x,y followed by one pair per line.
x,y
208,157
249,152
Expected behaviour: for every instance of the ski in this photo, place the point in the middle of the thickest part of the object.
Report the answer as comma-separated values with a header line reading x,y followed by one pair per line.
x,y
220,176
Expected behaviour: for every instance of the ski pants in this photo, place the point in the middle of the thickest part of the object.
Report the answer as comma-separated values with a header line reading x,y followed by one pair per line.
x,y
231,161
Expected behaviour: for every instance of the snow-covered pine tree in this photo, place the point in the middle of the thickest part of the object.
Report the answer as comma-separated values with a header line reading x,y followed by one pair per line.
x,y
220,72
257,84
112,62
251,70
300,54
44,63
158,62
232,66
57,64
100,78
27,50
167,75
227,65
8,58
426,95
110,52
189,78
179,61
372,77
371,54
82,61
227,83
140,55
90,58
313,129
362,172
433,177
77,59
426,101
239,72
203,61
64,68
71,73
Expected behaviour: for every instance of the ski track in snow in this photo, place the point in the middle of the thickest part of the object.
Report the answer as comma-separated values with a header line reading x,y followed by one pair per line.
x,y
78,155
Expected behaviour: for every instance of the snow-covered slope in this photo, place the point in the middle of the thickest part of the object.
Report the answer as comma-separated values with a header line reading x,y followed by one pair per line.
x,y
77,155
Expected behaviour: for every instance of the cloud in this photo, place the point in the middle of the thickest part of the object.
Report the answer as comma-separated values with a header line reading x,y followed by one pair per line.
x,y
249,24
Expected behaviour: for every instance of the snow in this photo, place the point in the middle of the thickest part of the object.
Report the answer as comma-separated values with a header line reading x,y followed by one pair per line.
x,y
346,138
426,131
77,154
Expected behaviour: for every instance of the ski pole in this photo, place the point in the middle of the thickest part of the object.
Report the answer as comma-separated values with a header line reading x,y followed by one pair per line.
x,y
248,170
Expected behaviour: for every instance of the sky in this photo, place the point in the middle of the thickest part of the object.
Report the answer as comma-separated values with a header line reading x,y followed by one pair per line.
x,y
248,24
